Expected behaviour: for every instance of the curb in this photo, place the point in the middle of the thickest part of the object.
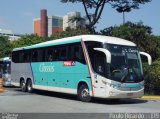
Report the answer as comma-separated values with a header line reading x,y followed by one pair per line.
x,y
151,97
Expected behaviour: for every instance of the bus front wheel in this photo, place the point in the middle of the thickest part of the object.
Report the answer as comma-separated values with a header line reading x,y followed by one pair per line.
x,y
83,93
29,86
23,86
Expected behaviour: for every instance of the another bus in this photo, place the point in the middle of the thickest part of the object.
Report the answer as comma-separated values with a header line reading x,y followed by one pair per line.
x,y
5,70
86,65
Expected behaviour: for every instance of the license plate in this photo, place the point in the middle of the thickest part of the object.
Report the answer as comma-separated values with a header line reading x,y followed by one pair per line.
x,y
129,94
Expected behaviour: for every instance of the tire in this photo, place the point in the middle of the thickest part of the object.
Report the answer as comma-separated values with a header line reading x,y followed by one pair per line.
x,y
29,86
83,93
23,86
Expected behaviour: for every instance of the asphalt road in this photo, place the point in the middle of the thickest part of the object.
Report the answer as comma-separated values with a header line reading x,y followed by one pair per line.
x,y
15,101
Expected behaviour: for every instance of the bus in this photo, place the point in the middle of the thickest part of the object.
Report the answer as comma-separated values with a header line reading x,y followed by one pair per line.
x,y
5,70
86,65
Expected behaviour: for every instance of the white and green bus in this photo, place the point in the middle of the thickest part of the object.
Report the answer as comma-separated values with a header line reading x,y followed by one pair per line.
x,y
86,65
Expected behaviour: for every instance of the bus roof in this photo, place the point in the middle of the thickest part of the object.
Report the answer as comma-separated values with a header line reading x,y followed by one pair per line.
x,y
107,39
98,38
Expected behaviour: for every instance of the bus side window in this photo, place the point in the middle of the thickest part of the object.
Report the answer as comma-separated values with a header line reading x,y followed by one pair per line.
x,y
49,54
34,56
77,53
52,54
21,56
63,53
26,56
40,55
15,56
56,53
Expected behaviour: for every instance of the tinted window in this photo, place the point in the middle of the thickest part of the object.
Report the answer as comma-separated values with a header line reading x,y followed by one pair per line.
x,y
57,53
94,55
76,53
38,55
15,56
65,52
26,56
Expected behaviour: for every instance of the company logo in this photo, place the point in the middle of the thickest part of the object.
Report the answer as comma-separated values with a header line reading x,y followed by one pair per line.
x,y
69,63
123,84
45,68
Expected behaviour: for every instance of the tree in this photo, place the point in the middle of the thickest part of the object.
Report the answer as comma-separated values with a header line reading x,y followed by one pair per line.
x,y
27,40
123,6
139,34
5,47
97,7
152,78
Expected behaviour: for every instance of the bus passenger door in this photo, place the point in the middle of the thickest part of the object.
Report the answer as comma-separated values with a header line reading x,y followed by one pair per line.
x,y
99,69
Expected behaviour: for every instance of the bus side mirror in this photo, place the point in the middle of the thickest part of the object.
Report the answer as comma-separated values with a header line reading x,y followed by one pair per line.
x,y
148,56
106,52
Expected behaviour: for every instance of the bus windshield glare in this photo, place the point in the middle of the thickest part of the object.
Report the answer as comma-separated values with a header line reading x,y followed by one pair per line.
x,y
125,63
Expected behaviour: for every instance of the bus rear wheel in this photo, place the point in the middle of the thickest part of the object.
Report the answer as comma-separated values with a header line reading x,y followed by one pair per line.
x,y
23,86
29,86
83,93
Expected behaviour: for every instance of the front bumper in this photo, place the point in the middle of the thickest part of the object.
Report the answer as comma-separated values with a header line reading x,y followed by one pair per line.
x,y
125,94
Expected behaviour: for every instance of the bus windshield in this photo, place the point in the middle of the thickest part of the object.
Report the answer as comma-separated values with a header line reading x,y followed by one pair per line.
x,y
125,63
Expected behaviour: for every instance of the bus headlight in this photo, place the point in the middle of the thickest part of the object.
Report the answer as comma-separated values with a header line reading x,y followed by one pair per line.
x,y
110,84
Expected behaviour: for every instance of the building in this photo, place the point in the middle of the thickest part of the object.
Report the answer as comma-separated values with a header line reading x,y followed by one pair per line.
x,y
37,26
44,23
51,25
55,25
68,20
11,36
47,25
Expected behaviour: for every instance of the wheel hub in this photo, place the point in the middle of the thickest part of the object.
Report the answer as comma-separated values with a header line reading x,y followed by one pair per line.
x,y
85,93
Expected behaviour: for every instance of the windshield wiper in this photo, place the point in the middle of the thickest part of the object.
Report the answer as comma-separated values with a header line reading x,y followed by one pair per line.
x,y
133,73
124,77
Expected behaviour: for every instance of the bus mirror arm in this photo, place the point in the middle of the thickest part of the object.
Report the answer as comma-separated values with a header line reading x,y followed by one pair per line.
x,y
148,56
106,52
